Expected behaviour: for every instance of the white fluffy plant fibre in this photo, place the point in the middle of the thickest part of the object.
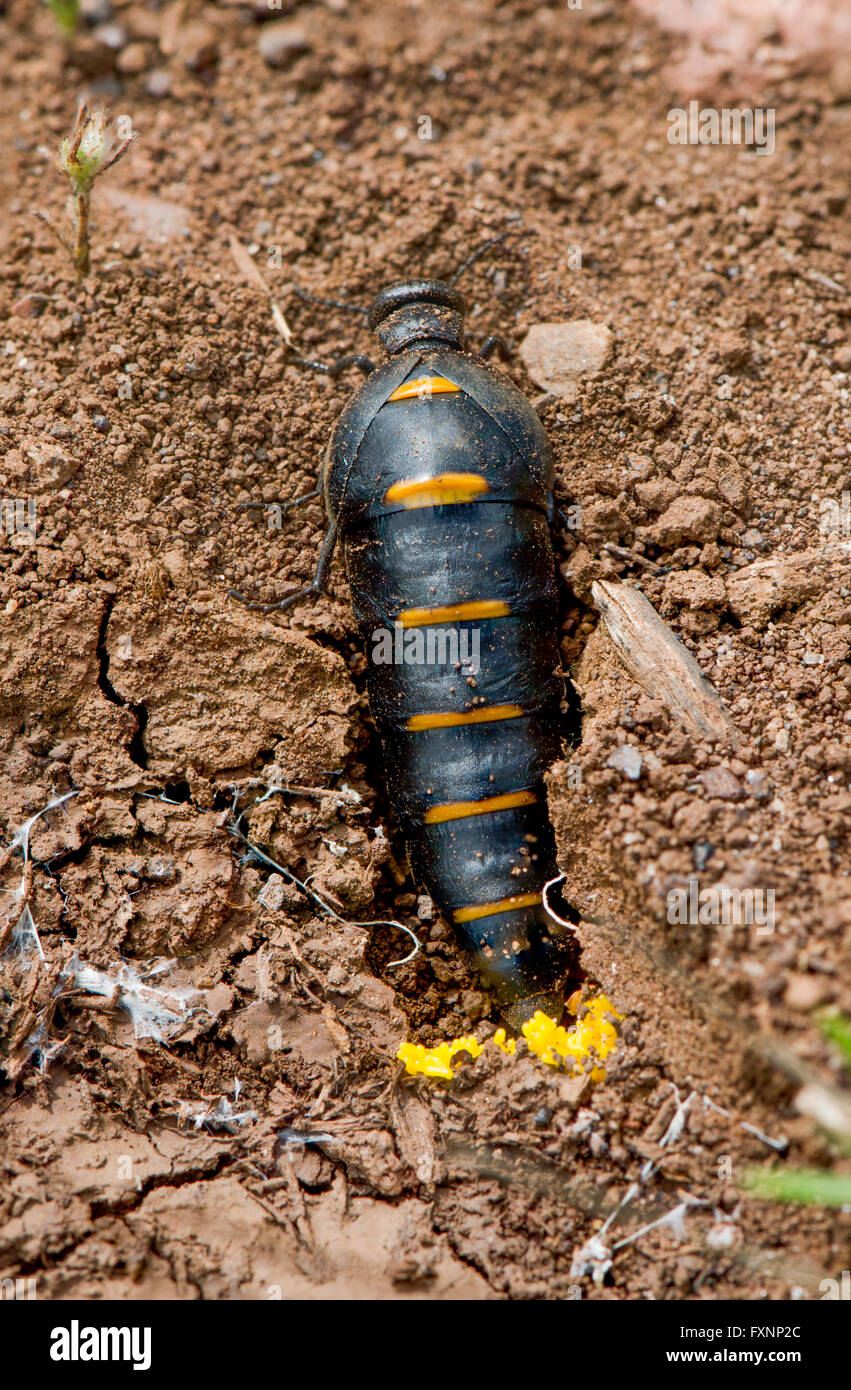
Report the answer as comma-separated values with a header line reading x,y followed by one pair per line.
x,y
156,1012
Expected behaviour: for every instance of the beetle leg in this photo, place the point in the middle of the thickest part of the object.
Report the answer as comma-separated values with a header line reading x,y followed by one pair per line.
x,y
333,369
493,344
279,501
330,303
315,586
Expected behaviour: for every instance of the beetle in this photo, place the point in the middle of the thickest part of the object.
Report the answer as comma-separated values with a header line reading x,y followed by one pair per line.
x,y
438,481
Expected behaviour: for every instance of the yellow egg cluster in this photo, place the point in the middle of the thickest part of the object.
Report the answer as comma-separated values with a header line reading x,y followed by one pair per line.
x,y
592,1038
436,1061
589,1041
506,1045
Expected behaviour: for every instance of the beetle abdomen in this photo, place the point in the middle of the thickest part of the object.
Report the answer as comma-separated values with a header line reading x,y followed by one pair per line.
x,y
444,518
468,715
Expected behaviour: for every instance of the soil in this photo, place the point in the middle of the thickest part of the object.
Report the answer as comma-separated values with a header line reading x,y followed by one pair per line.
x,y
245,1132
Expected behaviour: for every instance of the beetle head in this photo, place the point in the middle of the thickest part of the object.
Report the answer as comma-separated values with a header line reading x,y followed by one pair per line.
x,y
418,312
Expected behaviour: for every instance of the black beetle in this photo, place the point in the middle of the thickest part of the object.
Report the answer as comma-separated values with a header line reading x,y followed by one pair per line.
x,y
438,480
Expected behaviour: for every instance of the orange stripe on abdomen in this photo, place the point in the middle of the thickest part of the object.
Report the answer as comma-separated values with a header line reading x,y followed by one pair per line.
x,y
454,612
472,914
460,810
485,714
444,490
423,386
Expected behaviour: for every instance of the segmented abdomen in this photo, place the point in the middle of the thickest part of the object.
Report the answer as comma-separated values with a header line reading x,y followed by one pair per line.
x,y
466,750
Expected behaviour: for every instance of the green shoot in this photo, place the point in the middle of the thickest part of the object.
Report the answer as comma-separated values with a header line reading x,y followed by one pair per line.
x,y
807,1186
66,14
836,1028
90,149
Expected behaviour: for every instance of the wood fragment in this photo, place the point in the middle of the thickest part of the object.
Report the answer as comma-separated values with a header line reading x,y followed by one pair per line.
x,y
413,1125
660,663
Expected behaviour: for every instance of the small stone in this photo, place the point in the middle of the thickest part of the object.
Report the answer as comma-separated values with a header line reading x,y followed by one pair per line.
x,y
839,81
687,519
101,423
273,893
543,1117
694,590
198,47
721,782
558,356
842,358
757,783
650,411
96,11
734,348
160,868
281,44
722,1235
473,1004
806,992
133,59
701,854
656,494
158,83
31,306
627,760
572,1089
114,36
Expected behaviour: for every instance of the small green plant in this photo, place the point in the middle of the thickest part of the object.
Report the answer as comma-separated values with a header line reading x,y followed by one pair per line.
x,y
836,1028
92,147
66,14
807,1186
810,1186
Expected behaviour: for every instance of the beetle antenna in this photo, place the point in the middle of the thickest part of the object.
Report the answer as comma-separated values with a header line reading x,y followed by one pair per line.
x,y
329,303
484,248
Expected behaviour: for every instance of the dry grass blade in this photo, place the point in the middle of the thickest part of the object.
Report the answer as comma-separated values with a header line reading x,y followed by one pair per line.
x,y
249,272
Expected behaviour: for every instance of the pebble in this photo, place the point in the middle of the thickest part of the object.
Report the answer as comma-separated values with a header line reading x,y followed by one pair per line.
x,y
160,868
31,306
627,760
806,992
757,783
273,893
96,11
558,356
133,59
281,44
721,782
158,83
114,36
701,854
572,1088
687,519
198,47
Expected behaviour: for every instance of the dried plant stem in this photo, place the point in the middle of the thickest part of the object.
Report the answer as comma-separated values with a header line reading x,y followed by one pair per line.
x,y
82,202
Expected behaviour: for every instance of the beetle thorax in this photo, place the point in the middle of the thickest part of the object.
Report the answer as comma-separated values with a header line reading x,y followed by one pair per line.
x,y
418,313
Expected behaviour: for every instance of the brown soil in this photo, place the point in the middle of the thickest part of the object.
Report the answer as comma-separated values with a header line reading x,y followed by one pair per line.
x,y
708,441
